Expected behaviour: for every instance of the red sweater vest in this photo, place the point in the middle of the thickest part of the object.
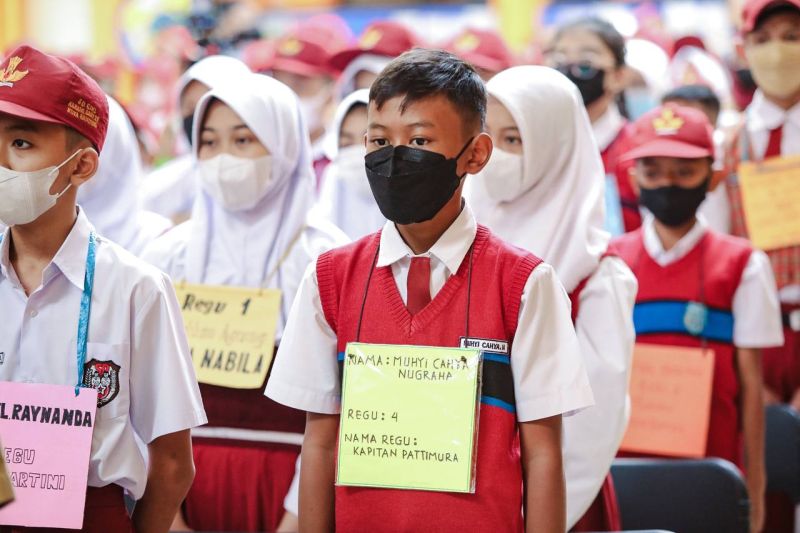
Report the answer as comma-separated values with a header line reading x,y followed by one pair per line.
x,y
499,275
664,315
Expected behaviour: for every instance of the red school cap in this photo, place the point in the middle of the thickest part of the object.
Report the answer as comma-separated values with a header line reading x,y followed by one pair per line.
x,y
671,131
483,48
752,10
382,38
39,86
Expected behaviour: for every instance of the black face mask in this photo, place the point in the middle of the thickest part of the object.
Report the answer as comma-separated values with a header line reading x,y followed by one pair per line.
x,y
590,80
188,123
673,206
411,185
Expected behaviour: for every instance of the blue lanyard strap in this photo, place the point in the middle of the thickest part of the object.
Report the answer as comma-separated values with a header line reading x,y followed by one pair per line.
x,y
86,308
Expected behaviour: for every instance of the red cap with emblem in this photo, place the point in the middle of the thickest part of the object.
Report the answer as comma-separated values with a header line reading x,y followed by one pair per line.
x,y
483,48
752,10
38,86
382,38
671,131
307,50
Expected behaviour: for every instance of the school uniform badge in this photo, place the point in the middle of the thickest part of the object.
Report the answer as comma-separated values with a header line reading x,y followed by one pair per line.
x,y
102,376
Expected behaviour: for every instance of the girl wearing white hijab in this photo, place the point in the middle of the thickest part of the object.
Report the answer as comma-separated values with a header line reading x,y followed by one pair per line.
x,y
346,198
170,189
543,191
111,198
249,228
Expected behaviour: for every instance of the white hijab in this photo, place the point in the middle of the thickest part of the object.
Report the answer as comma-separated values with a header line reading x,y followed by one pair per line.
x,y
246,247
111,199
213,70
558,214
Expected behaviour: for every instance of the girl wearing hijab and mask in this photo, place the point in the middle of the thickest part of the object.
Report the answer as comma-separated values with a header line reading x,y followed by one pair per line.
x,y
345,188
170,189
591,53
542,190
111,198
249,228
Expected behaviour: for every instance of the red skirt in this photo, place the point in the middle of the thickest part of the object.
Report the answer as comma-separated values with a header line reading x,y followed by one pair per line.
x,y
239,486
104,511
782,365
603,514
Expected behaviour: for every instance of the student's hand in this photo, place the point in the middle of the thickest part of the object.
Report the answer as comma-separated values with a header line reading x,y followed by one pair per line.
x,y
289,523
752,414
795,403
179,524
756,509
543,470
770,396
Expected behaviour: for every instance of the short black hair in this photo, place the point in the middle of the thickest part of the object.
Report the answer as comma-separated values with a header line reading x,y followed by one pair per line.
x,y
694,93
604,30
422,73
771,11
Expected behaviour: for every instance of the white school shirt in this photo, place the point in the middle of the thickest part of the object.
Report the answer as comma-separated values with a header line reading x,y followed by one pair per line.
x,y
606,128
170,189
763,116
546,364
135,323
757,319
606,336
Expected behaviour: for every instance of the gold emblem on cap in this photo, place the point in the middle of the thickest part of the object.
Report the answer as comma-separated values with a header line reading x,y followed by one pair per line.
x,y
467,42
11,75
290,47
667,123
370,39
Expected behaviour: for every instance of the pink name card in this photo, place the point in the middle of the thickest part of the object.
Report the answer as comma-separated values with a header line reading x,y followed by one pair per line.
x,y
46,433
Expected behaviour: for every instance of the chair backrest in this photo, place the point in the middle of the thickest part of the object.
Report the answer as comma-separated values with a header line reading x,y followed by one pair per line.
x,y
783,450
685,495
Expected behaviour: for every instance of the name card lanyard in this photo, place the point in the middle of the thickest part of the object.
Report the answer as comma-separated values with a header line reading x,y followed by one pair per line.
x,y
369,278
86,307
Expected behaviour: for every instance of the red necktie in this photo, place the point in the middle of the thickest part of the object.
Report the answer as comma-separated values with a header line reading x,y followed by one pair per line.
x,y
774,144
419,284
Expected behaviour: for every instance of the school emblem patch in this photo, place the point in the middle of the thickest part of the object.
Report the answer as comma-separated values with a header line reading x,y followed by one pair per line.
x,y
695,318
11,74
102,376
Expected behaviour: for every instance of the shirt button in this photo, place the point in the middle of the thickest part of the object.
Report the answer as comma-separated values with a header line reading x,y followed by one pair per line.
x,y
34,313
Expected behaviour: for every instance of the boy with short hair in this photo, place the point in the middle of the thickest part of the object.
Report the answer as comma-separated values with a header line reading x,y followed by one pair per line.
x,y
425,134
771,129
53,121
699,288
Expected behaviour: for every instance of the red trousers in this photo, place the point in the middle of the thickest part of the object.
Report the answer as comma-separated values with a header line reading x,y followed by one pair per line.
x,y
603,514
239,486
104,513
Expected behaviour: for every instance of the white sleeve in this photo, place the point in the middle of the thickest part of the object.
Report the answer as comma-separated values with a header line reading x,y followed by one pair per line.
x,y
305,374
606,336
165,397
757,319
549,376
291,504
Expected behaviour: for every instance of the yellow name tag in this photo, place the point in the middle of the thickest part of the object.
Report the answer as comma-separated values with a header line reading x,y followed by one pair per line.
x,y
409,417
771,201
231,332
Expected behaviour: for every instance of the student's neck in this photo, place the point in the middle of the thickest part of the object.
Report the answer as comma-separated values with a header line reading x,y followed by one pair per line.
x,y
37,242
597,109
669,236
784,103
422,236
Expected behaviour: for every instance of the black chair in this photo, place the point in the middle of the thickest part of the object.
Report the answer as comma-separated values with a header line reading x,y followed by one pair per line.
x,y
783,451
687,496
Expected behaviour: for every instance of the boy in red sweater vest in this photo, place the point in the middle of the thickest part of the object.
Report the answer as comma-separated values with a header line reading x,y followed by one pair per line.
x,y
700,288
417,282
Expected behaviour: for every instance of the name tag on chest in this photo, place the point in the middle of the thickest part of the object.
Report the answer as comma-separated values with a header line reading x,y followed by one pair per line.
x,y
231,332
46,436
485,345
409,418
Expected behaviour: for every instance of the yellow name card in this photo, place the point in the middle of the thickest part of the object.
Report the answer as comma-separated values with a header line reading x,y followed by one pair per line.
x,y
231,332
771,201
409,417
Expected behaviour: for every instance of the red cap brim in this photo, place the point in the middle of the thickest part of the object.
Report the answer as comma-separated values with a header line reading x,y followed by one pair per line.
x,y
667,148
345,57
16,110
299,67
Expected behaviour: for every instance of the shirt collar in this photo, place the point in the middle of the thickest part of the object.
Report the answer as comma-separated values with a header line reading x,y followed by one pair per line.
x,y
652,243
607,127
70,259
450,249
764,115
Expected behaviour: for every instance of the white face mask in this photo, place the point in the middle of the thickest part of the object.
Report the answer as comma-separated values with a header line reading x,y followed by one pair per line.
x,y
236,183
25,196
349,168
502,176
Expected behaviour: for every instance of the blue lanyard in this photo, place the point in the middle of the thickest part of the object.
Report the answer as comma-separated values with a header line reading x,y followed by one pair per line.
x,y
86,307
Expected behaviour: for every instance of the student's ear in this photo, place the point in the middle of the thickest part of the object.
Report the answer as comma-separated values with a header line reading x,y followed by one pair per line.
x,y
739,44
632,178
479,154
88,161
